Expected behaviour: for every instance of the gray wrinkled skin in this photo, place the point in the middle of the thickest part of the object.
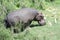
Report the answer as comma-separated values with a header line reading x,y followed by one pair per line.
x,y
24,16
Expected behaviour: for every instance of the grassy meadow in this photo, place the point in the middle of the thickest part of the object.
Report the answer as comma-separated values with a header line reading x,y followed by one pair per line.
x,y
51,11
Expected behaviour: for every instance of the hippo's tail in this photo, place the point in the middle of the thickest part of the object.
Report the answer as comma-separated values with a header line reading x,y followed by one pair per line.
x,y
6,23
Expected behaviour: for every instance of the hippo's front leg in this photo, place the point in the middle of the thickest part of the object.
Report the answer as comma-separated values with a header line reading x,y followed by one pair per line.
x,y
26,25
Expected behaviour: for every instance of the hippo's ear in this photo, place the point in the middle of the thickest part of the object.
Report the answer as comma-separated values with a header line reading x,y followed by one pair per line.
x,y
40,14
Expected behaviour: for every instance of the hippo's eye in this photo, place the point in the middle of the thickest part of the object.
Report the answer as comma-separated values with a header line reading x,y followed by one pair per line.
x,y
41,17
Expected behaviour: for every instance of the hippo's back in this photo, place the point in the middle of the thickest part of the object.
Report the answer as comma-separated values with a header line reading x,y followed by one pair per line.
x,y
24,14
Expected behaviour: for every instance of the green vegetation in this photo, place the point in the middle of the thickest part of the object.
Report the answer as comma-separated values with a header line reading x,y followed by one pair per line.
x,y
51,11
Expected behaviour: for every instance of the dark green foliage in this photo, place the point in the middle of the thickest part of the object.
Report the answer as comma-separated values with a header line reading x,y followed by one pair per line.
x,y
49,0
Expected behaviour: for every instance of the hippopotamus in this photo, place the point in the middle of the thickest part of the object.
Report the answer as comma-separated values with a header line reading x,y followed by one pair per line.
x,y
24,17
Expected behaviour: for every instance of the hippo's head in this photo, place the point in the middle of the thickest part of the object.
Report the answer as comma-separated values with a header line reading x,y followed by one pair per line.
x,y
40,19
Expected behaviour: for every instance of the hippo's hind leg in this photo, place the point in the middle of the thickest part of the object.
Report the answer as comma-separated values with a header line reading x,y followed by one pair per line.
x,y
8,25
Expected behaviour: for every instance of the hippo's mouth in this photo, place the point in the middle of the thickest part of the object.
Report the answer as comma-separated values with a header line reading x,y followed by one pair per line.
x,y
42,22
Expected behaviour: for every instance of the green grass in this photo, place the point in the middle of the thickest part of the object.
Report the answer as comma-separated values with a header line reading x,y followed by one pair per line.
x,y
51,11
41,33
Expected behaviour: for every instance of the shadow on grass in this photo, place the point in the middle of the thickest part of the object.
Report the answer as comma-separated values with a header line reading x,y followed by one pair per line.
x,y
33,25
